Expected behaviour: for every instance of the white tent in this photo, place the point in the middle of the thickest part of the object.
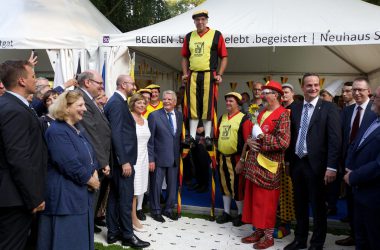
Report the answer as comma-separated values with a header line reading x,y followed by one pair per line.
x,y
69,30
339,39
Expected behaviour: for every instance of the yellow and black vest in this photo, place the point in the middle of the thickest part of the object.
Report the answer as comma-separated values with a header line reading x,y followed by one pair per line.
x,y
229,136
203,50
150,109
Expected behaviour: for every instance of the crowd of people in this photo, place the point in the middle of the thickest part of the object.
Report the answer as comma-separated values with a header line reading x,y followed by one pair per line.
x,y
73,157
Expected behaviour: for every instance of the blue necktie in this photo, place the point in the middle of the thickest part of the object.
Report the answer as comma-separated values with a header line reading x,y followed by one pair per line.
x,y
304,127
171,121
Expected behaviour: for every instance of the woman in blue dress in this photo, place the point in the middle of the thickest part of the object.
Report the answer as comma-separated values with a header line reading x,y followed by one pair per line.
x,y
67,222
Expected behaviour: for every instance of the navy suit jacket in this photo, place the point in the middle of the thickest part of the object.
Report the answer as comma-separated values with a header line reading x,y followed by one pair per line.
x,y
364,161
347,112
163,146
123,130
323,137
72,161
23,155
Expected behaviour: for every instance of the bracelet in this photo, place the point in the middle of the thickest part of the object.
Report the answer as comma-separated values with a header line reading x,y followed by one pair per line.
x,y
219,74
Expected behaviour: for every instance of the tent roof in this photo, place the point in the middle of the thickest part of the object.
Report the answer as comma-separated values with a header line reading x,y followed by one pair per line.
x,y
46,24
322,39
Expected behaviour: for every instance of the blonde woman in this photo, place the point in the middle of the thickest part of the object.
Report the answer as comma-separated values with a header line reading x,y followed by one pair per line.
x,y
137,105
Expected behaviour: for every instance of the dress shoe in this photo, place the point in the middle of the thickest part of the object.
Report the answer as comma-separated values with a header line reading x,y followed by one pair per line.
x,y
236,222
315,248
189,142
264,243
158,217
349,241
99,222
140,215
208,143
295,245
135,242
253,238
113,239
97,229
224,218
170,215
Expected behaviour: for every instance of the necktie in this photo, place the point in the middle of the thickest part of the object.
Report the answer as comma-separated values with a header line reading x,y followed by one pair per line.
x,y
171,121
33,110
304,127
355,124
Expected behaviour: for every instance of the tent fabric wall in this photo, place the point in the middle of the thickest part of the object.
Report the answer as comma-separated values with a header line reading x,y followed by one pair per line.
x,y
66,29
338,39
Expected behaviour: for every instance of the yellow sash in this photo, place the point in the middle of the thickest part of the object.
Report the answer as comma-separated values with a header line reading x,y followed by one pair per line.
x,y
268,164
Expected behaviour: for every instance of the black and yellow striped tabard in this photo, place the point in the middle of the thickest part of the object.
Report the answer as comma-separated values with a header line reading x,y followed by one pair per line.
x,y
203,60
230,144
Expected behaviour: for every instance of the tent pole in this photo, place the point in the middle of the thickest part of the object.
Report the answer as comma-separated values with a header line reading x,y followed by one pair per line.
x,y
374,71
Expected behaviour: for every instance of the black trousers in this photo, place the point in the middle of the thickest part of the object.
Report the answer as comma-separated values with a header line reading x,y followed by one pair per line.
x,y
119,206
14,227
366,223
309,187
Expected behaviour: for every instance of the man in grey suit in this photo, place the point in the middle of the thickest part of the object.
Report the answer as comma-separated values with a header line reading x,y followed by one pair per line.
x,y
96,125
164,151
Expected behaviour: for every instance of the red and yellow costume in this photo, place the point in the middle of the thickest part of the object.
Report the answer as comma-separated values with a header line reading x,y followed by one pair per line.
x,y
233,131
150,108
263,180
203,51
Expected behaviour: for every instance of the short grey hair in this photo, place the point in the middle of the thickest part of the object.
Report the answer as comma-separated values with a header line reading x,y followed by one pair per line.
x,y
170,92
83,77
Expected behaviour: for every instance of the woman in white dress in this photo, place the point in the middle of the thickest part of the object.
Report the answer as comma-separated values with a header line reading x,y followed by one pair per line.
x,y
137,105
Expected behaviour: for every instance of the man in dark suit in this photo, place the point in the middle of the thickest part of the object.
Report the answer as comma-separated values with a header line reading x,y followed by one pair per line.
x,y
124,141
363,175
97,127
164,151
315,147
355,118
23,156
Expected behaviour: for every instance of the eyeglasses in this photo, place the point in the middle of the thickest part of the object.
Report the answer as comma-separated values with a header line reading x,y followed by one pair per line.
x,y
99,83
267,92
257,90
358,90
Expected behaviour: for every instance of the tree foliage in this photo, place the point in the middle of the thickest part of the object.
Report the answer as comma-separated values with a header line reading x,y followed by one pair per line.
x,y
129,15
377,2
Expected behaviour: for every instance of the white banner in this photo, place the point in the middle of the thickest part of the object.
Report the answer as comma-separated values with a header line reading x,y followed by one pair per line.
x,y
252,40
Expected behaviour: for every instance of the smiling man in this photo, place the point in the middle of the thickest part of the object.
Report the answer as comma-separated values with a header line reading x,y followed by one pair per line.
x,y
315,149
234,129
164,151
200,53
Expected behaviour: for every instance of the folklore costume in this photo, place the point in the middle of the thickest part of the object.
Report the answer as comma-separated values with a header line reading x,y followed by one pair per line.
x,y
263,173
202,50
233,131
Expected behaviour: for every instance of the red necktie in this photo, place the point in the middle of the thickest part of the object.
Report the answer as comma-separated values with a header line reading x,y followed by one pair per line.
x,y
355,124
